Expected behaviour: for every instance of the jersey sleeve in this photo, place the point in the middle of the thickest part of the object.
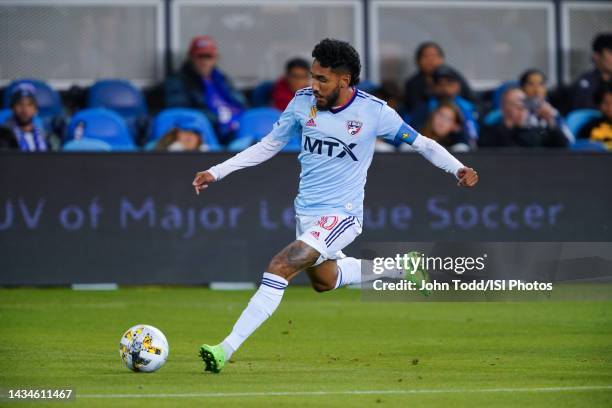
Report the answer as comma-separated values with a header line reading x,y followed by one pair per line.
x,y
282,131
392,127
287,125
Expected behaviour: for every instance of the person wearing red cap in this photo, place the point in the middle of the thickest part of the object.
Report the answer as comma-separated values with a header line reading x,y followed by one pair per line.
x,y
201,85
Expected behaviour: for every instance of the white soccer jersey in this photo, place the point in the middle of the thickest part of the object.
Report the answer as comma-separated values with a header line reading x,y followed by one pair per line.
x,y
337,149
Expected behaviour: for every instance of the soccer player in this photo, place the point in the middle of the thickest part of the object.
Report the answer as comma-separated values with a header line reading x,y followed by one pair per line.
x,y
339,126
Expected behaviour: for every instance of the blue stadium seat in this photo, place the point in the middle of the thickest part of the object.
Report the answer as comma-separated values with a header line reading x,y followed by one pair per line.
x,y
117,95
586,145
122,97
262,94
493,117
5,114
255,124
86,145
499,91
575,120
101,124
49,102
168,119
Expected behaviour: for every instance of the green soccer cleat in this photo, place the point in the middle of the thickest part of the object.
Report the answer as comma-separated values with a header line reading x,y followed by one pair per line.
x,y
419,276
213,357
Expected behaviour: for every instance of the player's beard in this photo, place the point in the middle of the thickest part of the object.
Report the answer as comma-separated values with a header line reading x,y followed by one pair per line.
x,y
330,101
23,122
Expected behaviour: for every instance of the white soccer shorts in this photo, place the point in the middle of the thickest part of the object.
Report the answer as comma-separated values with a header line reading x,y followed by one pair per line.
x,y
328,234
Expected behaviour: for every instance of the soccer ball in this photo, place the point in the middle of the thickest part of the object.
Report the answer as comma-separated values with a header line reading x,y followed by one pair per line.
x,y
143,348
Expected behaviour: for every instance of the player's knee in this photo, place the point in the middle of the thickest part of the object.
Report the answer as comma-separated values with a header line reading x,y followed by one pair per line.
x,y
322,286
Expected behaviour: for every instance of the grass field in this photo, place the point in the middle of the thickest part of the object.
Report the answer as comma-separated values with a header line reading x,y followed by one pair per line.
x,y
328,349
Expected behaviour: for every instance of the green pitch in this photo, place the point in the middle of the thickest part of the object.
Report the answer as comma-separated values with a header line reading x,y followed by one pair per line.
x,y
329,349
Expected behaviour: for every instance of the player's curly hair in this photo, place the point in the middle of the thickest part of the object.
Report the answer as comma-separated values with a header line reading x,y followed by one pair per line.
x,y
339,56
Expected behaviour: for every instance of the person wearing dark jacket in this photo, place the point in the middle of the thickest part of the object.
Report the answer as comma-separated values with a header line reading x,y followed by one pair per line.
x,y
419,87
201,85
600,129
8,141
583,90
514,130
541,112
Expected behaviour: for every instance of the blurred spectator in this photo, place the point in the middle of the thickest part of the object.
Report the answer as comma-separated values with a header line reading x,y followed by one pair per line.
x,y
29,136
447,85
445,126
185,137
391,93
514,128
419,87
541,113
200,84
583,90
297,76
8,141
600,129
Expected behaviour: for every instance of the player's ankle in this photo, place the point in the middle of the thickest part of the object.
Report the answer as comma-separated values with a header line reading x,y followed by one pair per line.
x,y
228,350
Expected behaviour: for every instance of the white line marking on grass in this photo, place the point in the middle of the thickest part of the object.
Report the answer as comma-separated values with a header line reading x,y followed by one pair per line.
x,y
353,392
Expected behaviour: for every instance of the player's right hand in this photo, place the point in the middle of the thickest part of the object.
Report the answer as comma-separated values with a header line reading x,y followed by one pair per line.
x,y
468,177
202,180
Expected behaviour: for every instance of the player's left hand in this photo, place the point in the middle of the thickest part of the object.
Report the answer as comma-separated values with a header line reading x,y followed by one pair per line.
x,y
467,177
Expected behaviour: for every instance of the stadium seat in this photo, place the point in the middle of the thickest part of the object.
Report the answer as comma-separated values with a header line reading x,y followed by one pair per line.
x,y
257,123
575,120
493,117
262,94
86,145
499,91
122,97
5,114
586,145
254,125
101,124
167,119
117,95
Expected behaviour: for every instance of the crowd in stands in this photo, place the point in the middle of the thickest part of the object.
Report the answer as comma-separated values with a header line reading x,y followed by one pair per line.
x,y
201,110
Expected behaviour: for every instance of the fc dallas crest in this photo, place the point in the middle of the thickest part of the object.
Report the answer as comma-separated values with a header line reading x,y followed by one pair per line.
x,y
353,127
